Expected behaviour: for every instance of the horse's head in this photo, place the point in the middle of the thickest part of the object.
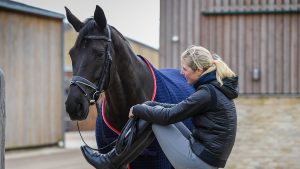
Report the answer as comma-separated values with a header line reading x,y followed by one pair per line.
x,y
91,61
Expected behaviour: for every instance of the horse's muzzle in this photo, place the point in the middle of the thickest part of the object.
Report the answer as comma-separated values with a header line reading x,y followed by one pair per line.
x,y
76,110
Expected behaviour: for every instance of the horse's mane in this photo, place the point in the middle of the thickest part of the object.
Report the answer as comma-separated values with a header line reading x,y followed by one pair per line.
x,y
119,33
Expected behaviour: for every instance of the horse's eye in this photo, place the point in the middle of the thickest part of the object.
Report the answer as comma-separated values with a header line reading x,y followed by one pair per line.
x,y
100,55
98,52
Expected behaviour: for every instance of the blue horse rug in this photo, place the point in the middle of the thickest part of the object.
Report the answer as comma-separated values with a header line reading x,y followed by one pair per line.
x,y
170,87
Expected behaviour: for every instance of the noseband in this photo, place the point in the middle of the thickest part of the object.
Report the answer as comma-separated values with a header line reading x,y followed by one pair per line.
x,y
103,82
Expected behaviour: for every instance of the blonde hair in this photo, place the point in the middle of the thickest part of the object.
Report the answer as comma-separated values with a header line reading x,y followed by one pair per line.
x,y
199,57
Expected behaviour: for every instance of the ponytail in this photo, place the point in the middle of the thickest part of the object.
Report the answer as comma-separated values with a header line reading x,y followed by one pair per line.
x,y
222,69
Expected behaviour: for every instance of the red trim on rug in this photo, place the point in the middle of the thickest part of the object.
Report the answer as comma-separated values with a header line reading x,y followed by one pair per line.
x,y
152,98
105,120
154,79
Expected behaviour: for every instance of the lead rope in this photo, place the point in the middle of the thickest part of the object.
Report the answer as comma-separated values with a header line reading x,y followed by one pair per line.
x,y
109,145
124,140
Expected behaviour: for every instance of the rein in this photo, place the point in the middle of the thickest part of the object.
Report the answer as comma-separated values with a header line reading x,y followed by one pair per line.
x,y
125,138
102,148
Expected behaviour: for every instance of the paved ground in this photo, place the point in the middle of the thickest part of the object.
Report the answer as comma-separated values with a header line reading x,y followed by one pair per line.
x,y
52,157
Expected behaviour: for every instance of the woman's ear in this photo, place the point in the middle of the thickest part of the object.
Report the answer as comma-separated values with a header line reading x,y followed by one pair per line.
x,y
199,71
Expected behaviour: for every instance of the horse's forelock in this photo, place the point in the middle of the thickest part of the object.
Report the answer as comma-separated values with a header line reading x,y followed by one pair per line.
x,y
89,26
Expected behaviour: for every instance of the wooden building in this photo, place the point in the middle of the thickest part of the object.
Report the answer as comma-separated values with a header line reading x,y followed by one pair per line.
x,y
31,56
259,39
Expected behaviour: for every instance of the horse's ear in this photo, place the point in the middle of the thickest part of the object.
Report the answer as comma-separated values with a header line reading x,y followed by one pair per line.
x,y
99,17
75,22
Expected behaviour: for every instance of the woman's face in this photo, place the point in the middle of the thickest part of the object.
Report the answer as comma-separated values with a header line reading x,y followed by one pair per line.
x,y
190,75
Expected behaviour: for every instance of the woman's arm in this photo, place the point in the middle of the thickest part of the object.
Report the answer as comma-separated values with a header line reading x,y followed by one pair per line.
x,y
194,104
154,103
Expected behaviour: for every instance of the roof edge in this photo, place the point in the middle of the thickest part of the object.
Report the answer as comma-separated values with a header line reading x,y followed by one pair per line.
x,y
141,43
20,7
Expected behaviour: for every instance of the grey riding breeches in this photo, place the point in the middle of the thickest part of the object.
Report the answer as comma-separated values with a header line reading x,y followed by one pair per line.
x,y
174,141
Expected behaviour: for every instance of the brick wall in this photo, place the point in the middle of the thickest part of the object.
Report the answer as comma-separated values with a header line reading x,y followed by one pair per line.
x,y
268,135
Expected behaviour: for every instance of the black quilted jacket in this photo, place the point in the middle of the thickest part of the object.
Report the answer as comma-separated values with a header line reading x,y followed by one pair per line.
x,y
213,114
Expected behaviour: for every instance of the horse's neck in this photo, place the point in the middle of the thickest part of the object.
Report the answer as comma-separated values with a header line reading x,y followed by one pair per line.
x,y
131,83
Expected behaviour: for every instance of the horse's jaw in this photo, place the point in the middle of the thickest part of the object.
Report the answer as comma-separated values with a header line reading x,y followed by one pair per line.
x,y
81,117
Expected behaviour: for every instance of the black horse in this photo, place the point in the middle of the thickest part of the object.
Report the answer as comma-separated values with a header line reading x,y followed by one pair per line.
x,y
103,60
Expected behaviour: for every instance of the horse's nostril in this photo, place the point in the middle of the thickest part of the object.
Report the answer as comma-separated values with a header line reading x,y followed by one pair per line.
x,y
80,107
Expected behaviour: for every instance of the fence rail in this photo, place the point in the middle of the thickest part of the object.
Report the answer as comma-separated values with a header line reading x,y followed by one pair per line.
x,y
218,7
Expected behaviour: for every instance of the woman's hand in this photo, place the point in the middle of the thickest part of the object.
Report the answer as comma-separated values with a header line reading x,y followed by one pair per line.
x,y
130,113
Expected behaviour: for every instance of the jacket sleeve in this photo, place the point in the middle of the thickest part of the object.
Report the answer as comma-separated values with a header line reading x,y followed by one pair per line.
x,y
154,103
195,104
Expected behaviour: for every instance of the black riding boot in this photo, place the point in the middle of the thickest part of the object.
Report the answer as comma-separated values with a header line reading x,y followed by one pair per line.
x,y
117,160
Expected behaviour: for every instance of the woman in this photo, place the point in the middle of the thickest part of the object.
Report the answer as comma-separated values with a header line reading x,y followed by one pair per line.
x,y
212,111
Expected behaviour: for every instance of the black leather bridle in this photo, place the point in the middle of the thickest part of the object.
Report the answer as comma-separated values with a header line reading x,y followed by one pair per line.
x,y
104,79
